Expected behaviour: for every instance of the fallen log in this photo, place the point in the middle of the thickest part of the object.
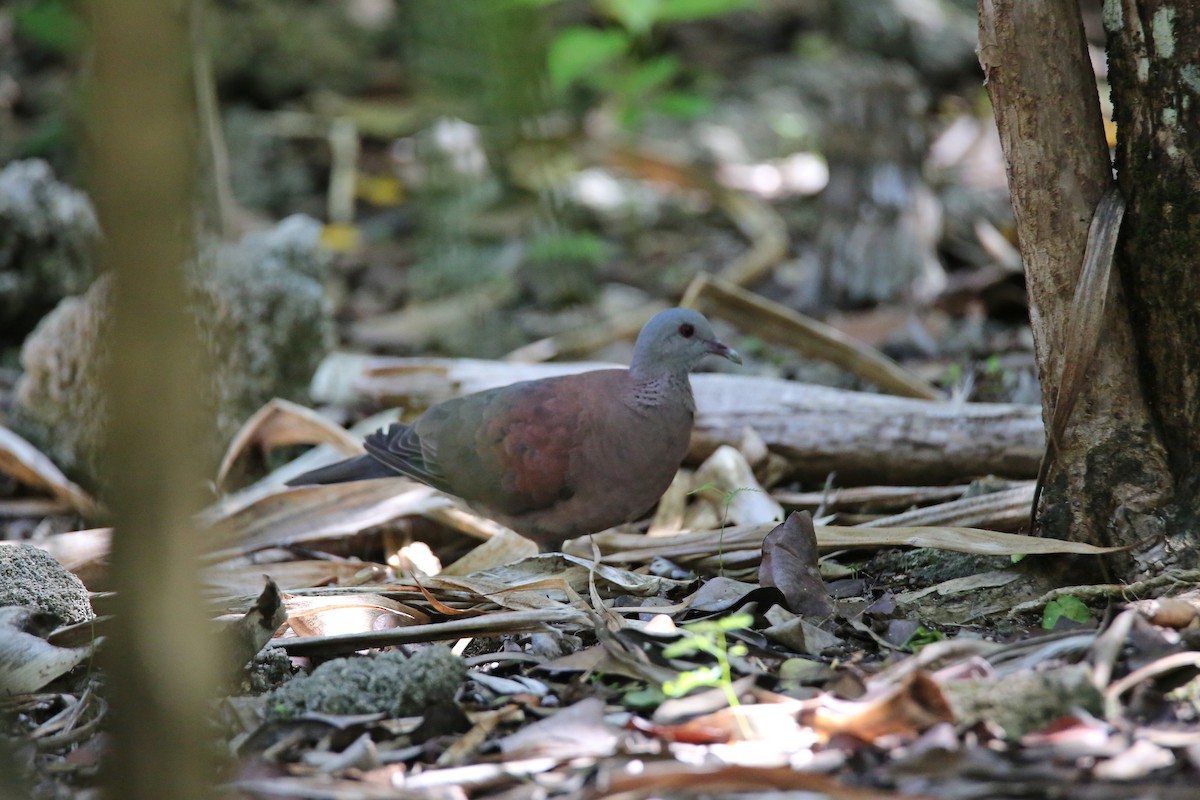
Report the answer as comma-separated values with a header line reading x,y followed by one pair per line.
x,y
864,438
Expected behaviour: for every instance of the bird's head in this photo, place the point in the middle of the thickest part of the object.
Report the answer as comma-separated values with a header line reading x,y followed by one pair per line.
x,y
675,340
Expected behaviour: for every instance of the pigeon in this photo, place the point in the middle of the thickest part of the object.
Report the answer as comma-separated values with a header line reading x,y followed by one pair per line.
x,y
558,457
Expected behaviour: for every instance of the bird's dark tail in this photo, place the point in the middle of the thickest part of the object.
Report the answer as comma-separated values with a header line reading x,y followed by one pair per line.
x,y
352,469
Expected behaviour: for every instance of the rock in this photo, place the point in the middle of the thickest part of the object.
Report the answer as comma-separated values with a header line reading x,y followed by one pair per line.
x,y
47,233
29,576
390,683
263,319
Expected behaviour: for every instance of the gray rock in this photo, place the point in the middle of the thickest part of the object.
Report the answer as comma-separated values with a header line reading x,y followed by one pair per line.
x,y
30,576
389,683
47,233
262,316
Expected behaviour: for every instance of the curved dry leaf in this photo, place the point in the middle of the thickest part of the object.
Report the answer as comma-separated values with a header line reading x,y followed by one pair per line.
x,y
960,540
332,615
321,512
247,635
244,579
727,480
908,707
781,325
282,422
625,547
1085,322
1086,319
789,563
577,731
25,464
28,662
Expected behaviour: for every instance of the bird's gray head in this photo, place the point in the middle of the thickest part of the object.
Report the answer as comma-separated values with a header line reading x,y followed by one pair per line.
x,y
674,340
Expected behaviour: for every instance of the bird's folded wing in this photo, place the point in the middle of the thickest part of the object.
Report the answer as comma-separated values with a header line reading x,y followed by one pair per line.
x,y
399,447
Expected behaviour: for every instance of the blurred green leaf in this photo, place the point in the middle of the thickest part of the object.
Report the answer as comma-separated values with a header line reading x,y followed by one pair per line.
x,y
651,74
650,697
578,50
682,10
1066,606
683,104
921,637
704,676
52,24
555,247
635,16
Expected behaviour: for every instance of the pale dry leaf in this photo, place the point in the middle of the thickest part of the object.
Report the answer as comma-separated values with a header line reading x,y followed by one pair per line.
x,y
244,579
331,615
322,512
27,661
282,422
25,464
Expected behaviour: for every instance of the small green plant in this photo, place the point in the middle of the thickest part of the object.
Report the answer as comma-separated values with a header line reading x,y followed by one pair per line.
x,y
1066,606
708,636
726,501
618,60
921,637
645,698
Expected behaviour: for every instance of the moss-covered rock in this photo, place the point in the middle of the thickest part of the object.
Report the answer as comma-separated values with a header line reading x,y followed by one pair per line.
x,y
262,316
389,683
29,576
47,232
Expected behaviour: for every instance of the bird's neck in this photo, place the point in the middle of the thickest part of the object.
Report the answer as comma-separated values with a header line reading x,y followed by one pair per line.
x,y
658,388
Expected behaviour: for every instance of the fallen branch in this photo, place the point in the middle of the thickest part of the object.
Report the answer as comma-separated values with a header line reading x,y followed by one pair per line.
x,y
864,438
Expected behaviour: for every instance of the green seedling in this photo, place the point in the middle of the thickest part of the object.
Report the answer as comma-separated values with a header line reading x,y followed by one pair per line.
x,y
708,637
1066,606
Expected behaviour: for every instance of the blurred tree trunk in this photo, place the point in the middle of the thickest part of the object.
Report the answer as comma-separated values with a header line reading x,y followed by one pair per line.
x,y
142,131
1110,482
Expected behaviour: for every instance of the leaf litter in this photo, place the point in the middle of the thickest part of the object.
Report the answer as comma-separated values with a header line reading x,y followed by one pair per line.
x,y
805,657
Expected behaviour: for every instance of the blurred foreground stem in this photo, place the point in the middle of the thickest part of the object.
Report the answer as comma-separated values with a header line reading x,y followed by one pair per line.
x,y
142,130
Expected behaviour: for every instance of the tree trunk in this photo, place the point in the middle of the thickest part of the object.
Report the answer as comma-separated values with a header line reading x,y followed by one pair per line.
x,y
1109,482
1154,58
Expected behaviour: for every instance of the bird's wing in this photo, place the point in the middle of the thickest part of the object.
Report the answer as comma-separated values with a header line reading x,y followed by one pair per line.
x,y
400,448
512,449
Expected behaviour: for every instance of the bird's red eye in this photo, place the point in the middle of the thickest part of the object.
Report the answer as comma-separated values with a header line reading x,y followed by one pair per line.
x,y
686,330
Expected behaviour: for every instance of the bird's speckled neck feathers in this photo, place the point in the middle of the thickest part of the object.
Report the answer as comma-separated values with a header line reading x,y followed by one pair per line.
x,y
667,387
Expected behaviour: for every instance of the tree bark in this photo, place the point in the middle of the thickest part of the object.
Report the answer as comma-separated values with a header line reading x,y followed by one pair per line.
x,y
1109,480
1154,70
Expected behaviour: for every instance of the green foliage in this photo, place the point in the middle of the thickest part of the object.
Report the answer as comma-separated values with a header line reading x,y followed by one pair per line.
x,y
586,248
923,636
618,62
1066,606
707,636
725,503
640,16
52,24
578,51
646,698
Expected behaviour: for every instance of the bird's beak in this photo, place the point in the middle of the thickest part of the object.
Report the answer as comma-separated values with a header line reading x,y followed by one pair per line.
x,y
719,348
